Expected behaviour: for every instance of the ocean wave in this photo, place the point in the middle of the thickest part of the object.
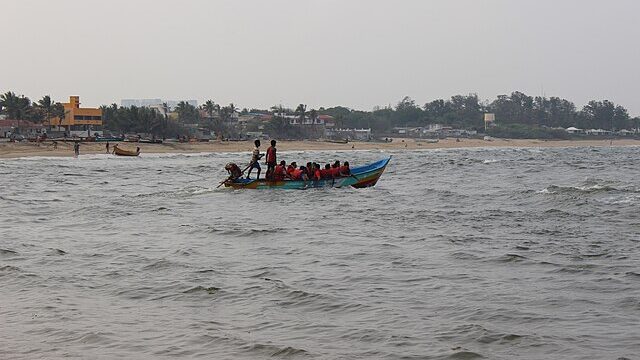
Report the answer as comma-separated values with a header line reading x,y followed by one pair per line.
x,y
8,252
202,289
556,189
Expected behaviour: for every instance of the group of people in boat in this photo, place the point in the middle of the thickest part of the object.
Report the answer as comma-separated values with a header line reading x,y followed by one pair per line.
x,y
281,171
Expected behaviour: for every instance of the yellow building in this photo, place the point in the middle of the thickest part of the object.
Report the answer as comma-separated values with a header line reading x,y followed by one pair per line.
x,y
77,118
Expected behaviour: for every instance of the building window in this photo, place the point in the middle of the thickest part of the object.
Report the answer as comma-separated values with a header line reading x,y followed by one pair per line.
x,y
78,117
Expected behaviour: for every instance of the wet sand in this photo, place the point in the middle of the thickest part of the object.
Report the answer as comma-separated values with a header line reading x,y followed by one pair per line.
x,y
15,150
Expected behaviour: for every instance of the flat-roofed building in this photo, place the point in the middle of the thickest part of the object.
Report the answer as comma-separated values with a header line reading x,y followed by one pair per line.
x,y
78,121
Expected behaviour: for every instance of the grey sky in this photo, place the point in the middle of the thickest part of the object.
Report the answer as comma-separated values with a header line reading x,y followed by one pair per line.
x,y
321,53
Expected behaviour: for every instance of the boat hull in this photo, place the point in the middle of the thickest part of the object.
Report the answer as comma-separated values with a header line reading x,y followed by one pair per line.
x,y
120,152
363,176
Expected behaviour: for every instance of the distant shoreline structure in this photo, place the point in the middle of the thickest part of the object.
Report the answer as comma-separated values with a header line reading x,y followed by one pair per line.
x,y
65,149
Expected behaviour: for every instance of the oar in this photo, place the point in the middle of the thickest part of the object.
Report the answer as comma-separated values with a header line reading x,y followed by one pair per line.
x,y
229,178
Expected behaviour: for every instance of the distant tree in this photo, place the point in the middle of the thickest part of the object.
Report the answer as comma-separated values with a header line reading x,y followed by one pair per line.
x,y
597,114
16,107
313,116
47,109
407,113
210,108
187,113
301,111
436,110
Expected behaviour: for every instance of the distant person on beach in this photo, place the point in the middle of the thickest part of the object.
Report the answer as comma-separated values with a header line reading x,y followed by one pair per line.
x,y
255,159
55,145
271,159
76,148
107,147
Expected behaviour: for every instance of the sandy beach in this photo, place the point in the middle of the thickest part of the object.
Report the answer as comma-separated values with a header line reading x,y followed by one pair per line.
x,y
24,149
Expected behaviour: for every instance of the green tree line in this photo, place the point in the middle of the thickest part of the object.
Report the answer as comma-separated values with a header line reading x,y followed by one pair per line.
x,y
467,111
516,111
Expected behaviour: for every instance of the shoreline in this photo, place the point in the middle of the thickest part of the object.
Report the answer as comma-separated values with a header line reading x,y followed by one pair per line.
x,y
65,149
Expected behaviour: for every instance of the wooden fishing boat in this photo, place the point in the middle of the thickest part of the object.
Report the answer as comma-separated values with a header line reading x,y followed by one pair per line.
x,y
361,177
122,152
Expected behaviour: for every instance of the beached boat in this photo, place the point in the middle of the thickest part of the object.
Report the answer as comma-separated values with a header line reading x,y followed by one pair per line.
x,y
361,177
122,152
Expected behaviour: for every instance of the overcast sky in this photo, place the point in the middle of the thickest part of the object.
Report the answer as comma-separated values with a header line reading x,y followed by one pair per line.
x,y
322,53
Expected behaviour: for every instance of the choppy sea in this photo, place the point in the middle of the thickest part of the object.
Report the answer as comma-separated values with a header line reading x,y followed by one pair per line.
x,y
508,253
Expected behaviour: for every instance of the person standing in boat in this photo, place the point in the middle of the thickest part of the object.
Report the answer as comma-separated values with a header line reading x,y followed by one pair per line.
x,y
255,159
271,159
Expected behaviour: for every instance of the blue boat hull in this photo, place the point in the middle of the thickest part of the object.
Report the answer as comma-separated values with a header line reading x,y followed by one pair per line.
x,y
361,176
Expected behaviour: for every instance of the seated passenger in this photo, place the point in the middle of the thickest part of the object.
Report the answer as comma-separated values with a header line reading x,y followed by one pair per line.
x,y
326,172
310,170
317,174
335,169
344,169
280,171
291,167
299,174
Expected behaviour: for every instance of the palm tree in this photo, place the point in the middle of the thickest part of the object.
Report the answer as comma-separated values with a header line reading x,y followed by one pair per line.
x,y
210,107
313,115
301,110
16,107
46,106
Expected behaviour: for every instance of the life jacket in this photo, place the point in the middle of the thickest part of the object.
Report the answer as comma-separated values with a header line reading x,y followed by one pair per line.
x,y
318,174
335,172
271,154
290,170
279,173
296,174
325,173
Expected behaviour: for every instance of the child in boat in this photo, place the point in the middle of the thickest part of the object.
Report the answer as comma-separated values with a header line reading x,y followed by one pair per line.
x,y
255,159
271,159
280,172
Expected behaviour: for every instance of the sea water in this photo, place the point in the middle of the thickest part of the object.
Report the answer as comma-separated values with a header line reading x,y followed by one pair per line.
x,y
510,253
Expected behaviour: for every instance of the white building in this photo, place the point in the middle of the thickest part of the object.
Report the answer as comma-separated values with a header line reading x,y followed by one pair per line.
x,y
574,130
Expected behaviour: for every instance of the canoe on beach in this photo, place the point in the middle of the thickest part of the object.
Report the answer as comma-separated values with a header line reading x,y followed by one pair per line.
x,y
122,152
361,177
